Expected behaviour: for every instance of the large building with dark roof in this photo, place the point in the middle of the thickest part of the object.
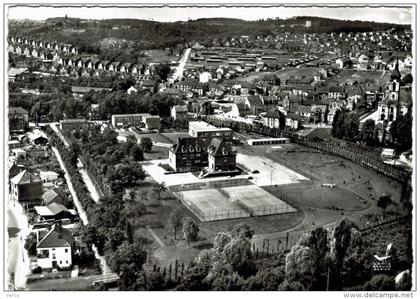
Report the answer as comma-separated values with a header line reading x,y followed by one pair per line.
x,y
192,154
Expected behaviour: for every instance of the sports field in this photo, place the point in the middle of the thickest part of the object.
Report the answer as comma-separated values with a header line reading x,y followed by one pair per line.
x,y
211,204
266,172
257,201
233,202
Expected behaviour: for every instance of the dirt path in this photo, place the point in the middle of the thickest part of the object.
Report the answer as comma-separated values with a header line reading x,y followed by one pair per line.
x,y
160,242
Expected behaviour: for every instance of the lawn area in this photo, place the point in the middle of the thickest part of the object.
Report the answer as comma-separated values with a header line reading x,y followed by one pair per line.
x,y
322,133
322,197
288,72
158,56
174,136
157,153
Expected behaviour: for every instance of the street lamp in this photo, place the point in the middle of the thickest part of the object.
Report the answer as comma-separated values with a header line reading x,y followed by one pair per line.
x,y
21,244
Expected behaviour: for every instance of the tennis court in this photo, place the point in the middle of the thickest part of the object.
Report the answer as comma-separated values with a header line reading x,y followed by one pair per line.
x,y
233,202
211,204
256,200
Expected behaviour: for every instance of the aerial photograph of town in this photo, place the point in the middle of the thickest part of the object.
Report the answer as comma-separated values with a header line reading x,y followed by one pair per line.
x,y
209,148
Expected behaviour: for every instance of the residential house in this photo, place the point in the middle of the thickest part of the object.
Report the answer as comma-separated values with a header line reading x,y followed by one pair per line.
x,y
319,113
26,187
54,195
74,124
337,93
48,176
292,102
179,112
273,118
14,170
190,86
363,62
55,248
293,120
304,112
331,114
18,119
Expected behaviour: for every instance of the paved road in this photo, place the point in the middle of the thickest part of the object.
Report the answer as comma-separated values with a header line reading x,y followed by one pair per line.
x,y
179,71
65,284
88,182
17,257
60,135
156,237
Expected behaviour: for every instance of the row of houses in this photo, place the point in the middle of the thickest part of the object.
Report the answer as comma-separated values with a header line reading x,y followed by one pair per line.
x,y
63,59
52,46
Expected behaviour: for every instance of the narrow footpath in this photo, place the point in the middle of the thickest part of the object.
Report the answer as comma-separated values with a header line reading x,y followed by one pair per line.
x,y
82,213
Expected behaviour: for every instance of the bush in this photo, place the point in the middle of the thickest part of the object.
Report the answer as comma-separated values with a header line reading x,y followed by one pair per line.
x,y
36,270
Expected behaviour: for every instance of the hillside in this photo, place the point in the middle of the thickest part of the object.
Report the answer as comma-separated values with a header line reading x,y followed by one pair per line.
x,y
145,34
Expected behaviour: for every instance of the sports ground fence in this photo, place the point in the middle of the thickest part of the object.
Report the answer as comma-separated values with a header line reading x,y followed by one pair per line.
x,y
212,215
242,210
350,151
211,185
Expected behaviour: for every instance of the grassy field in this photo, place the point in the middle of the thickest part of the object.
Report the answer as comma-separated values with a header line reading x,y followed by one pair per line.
x,y
350,76
320,133
174,136
286,73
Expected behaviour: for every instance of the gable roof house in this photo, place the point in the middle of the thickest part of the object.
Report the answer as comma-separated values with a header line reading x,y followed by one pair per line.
x,y
179,112
26,187
273,118
221,157
55,248
293,121
54,195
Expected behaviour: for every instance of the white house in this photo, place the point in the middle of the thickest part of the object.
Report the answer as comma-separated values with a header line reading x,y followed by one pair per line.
x,y
55,248
48,176
205,77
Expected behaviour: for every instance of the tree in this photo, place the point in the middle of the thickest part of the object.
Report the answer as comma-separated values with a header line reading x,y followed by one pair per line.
x,y
337,125
242,231
238,256
340,242
30,243
127,261
401,132
367,134
190,229
136,153
175,220
407,79
115,238
351,126
163,70
380,283
146,144
383,202
159,188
